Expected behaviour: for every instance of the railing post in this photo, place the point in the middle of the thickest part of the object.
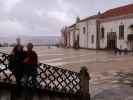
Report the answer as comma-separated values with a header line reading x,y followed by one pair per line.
x,y
84,84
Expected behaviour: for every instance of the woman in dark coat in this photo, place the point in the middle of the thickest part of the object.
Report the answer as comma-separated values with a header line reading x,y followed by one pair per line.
x,y
31,64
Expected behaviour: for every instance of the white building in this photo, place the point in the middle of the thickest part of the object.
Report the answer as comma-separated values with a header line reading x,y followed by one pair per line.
x,y
111,29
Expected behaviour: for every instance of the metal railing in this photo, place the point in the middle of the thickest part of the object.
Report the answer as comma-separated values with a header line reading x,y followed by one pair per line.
x,y
49,77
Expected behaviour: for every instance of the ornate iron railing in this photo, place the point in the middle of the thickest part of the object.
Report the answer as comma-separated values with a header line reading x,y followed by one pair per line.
x,y
49,77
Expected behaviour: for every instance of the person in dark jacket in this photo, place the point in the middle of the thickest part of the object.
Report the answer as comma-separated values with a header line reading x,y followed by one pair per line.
x,y
115,51
16,63
31,64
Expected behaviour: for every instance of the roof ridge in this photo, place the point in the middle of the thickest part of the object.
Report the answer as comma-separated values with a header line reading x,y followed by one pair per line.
x,y
131,4
119,11
89,17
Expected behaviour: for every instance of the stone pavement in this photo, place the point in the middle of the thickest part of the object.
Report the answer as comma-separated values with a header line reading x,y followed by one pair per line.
x,y
113,85
104,85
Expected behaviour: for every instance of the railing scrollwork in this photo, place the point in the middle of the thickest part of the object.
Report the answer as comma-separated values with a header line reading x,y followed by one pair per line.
x,y
49,77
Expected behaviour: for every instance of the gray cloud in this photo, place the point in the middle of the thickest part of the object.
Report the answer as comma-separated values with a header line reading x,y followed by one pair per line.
x,y
46,17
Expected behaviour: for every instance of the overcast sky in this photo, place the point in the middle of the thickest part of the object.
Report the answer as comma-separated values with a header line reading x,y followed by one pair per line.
x,y
47,17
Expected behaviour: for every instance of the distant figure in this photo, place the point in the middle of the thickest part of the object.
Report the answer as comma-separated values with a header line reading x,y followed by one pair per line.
x,y
49,46
115,51
31,64
132,51
16,63
120,50
125,51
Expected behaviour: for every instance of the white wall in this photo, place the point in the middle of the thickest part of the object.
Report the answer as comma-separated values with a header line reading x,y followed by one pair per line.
x,y
71,38
85,38
68,39
113,26
92,31
82,36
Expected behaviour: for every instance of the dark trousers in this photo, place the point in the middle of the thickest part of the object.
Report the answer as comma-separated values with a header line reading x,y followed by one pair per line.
x,y
31,71
18,73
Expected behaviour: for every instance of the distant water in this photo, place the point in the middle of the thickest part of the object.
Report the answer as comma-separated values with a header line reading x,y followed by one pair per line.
x,y
36,48
33,39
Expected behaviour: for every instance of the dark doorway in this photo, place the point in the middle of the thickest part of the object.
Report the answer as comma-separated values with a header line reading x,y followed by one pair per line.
x,y
111,40
76,42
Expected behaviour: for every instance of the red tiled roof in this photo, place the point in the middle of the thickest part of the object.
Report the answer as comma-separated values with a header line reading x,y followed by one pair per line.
x,y
120,11
115,12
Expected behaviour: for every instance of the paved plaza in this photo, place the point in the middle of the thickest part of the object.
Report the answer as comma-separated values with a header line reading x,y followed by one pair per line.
x,y
111,75
112,85
95,61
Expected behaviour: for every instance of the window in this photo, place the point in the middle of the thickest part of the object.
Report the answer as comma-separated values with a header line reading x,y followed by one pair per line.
x,y
102,32
92,39
84,30
121,32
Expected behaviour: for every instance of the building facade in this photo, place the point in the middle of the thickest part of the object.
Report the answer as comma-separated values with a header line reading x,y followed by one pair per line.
x,y
108,30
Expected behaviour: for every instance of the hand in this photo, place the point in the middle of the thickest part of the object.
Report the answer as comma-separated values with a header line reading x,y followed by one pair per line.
x,y
26,60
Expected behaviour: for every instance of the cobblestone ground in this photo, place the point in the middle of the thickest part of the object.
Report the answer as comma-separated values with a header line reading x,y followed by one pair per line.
x,y
111,75
113,85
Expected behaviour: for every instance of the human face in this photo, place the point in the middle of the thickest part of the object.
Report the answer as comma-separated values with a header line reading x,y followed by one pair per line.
x,y
18,41
29,47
